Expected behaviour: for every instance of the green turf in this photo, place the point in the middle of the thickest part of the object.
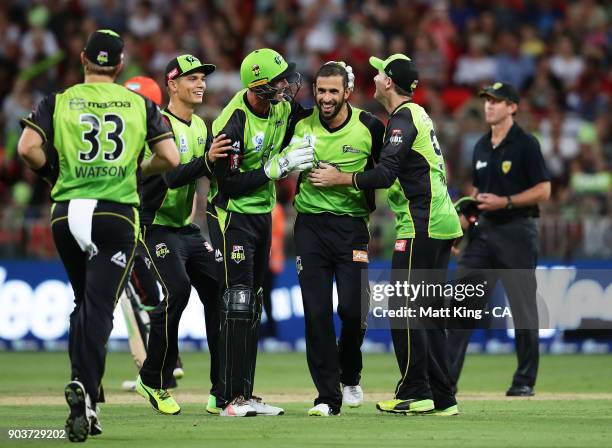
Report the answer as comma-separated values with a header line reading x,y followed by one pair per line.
x,y
554,423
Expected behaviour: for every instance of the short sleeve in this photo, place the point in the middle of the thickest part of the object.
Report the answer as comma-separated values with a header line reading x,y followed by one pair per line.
x,y
157,128
41,118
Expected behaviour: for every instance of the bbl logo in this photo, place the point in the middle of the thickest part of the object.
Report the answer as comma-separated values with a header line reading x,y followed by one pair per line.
x,y
183,147
102,57
161,250
396,137
256,70
238,254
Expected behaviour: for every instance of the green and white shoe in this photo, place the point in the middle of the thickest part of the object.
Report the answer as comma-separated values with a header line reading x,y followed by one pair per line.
x,y
160,399
211,406
448,412
410,406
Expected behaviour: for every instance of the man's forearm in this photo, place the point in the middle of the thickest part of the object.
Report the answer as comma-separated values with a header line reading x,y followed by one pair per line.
x,y
532,196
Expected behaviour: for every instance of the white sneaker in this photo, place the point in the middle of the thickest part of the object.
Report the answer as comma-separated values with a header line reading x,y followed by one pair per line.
x,y
321,410
95,426
352,396
129,386
264,409
238,407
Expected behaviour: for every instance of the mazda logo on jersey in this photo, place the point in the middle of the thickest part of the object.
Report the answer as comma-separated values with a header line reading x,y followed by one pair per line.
x,y
76,104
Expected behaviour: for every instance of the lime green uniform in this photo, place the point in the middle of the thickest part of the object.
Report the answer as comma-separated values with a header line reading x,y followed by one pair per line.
x,y
412,167
350,148
167,199
97,134
241,183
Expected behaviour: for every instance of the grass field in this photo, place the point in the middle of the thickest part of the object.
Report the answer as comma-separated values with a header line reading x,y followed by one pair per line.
x,y
573,406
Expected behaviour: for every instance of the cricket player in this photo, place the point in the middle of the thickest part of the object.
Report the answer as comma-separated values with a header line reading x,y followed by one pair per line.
x,y
412,168
179,253
95,133
240,202
331,238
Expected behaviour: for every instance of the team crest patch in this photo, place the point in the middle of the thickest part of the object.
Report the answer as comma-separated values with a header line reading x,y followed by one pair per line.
x,y
102,57
76,104
256,70
298,264
506,165
258,141
183,147
161,250
360,256
396,137
238,254
400,245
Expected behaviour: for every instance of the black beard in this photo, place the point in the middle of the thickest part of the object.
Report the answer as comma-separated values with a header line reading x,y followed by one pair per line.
x,y
335,112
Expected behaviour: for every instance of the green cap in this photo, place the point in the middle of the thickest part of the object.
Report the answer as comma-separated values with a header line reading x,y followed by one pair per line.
x,y
400,69
186,64
264,66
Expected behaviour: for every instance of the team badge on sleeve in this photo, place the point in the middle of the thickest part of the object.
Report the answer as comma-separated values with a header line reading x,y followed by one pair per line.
x,y
396,137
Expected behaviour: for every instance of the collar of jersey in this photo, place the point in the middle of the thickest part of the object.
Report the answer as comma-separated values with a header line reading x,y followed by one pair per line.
x,y
510,136
188,123
397,108
248,106
348,118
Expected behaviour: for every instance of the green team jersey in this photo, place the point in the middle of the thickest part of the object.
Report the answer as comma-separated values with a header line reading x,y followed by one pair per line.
x,y
412,166
167,199
97,132
351,147
241,184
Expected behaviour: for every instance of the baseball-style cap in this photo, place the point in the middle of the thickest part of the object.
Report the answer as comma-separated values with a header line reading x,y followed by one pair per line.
x,y
264,66
146,87
501,91
104,48
185,65
400,69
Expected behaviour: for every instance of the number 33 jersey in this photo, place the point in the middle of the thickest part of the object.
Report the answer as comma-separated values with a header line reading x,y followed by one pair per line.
x,y
94,136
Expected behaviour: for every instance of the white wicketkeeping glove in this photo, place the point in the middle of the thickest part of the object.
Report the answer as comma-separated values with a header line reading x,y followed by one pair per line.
x,y
349,72
297,156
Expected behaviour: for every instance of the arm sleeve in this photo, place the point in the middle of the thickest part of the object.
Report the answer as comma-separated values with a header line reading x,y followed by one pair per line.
x,y
399,137
157,128
230,180
535,165
186,173
297,114
41,118
377,131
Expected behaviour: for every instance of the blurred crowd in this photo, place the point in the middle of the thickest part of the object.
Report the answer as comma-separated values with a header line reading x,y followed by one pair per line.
x,y
557,52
